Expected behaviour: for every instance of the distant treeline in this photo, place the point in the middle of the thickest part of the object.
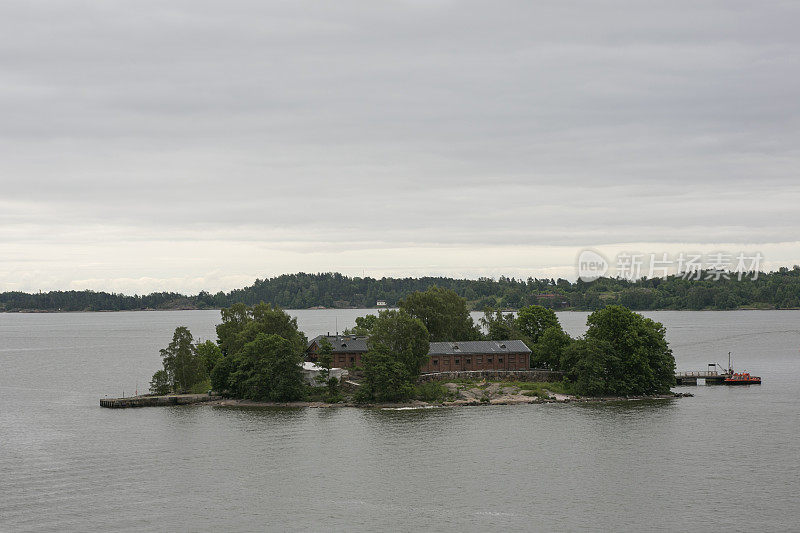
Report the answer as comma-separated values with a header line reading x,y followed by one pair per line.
x,y
774,290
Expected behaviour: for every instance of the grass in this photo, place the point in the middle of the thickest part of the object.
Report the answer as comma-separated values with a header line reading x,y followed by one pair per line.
x,y
431,391
540,389
201,388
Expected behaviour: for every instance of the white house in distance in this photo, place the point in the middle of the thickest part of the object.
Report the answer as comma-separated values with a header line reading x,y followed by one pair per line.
x,y
380,303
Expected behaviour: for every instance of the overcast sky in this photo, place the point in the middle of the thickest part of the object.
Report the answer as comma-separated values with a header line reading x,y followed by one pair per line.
x,y
188,145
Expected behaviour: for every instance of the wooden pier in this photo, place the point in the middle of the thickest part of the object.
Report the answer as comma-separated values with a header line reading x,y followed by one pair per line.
x,y
156,401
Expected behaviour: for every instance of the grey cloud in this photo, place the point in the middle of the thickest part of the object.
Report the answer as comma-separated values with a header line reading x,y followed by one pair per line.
x,y
404,123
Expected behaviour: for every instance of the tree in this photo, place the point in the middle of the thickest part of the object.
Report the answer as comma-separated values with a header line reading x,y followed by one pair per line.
x,y
443,312
324,360
268,368
220,376
363,327
404,337
533,320
398,348
160,384
548,351
622,353
234,319
183,366
386,378
499,326
210,354
242,325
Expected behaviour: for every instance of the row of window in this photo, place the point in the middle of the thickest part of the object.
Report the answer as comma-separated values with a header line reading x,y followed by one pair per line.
x,y
457,361
469,360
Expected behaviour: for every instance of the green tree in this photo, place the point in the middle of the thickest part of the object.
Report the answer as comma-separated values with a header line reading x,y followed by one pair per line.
x,y
220,376
404,337
324,360
242,324
499,326
548,351
268,368
181,362
210,354
443,312
160,384
386,379
533,320
622,353
234,320
363,327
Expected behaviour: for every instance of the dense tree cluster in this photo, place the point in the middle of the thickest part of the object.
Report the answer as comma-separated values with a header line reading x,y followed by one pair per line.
x,y
398,348
622,353
261,352
184,367
779,290
257,356
443,312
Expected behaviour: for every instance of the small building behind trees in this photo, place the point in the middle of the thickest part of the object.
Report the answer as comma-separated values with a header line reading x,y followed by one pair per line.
x,y
347,350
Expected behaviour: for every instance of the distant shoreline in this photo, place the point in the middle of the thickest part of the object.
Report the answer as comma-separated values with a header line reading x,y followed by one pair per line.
x,y
568,310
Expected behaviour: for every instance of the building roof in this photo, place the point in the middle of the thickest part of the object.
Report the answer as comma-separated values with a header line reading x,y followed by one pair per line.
x,y
478,347
355,344
343,343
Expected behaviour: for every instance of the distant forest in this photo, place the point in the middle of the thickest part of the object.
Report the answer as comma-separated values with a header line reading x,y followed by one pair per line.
x,y
774,290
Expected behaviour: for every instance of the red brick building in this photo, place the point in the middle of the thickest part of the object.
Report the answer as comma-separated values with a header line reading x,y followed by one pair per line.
x,y
477,355
442,356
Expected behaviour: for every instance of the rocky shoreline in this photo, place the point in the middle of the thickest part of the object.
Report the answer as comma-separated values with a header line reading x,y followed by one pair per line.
x,y
458,395
503,398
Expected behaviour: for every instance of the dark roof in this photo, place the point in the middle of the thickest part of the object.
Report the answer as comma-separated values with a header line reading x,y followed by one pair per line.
x,y
354,344
477,347
343,343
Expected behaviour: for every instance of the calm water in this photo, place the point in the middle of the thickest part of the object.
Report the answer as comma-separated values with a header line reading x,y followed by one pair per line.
x,y
727,459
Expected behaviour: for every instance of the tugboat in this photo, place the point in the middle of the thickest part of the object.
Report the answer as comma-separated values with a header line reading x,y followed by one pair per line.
x,y
739,378
742,379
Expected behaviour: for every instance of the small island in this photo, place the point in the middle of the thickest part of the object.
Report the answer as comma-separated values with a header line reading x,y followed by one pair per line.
x,y
427,352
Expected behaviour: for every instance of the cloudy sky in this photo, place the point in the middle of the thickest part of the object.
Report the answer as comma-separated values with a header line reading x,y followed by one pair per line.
x,y
188,145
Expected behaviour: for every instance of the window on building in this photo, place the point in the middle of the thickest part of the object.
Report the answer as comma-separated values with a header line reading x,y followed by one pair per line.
x,y
499,359
480,359
488,359
457,361
352,359
341,359
469,360
435,362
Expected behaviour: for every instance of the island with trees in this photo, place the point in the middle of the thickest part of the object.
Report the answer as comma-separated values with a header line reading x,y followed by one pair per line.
x,y
773,290
259,357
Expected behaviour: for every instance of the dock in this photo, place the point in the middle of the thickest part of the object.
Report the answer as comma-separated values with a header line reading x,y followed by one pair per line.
x,y
711,377
156,401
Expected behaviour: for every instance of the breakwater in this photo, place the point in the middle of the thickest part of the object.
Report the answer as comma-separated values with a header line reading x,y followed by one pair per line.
x,y
156,401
